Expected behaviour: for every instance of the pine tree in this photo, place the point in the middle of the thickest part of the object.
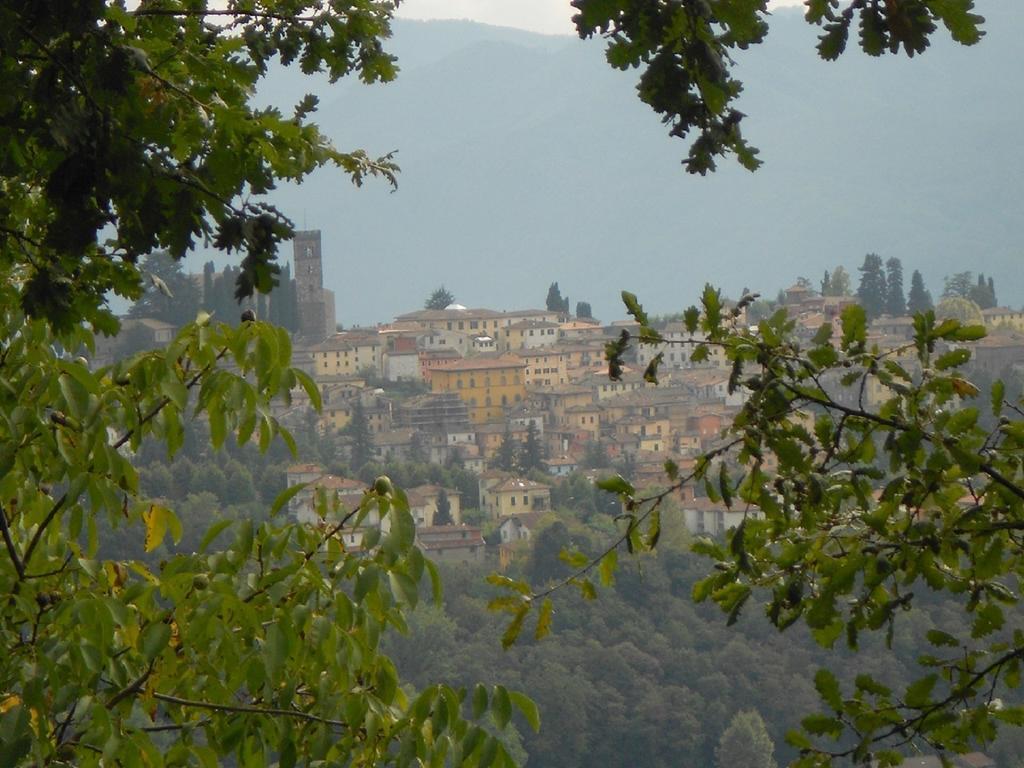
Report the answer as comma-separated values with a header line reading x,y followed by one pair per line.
x,y
554,302
826,284
983,294
871,294
439,299
208,272
896,303
362,441
745,743
170,294
583,310
919,299
959,284
443,515
531,452
992,292
505,458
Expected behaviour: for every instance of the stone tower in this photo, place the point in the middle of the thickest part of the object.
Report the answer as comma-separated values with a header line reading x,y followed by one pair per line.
x,y
316,317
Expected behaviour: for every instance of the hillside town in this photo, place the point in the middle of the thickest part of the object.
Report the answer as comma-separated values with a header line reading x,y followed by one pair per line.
x,y
522,398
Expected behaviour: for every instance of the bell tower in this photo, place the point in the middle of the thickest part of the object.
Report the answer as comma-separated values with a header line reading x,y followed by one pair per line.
x,y
309,285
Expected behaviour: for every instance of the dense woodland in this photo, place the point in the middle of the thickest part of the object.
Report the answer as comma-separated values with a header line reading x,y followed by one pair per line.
x,y
642,677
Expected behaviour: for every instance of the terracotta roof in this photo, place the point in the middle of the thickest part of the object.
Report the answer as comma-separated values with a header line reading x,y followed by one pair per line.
x,y
481,363
303,469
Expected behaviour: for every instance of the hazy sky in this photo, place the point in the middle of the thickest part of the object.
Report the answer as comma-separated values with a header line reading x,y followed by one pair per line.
x,y
548,16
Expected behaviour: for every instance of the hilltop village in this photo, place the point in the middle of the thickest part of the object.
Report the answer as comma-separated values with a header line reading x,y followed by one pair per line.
x,y
521,398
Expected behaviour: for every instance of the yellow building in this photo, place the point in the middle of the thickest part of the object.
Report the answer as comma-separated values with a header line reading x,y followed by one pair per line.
x,y
347,354
544,367
487,385
1003,317
503,495
528,334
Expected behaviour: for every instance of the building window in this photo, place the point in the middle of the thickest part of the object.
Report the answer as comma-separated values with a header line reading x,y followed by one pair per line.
x,y
513,500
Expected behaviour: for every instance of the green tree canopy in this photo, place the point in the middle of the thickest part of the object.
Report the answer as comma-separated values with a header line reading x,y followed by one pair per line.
x,y
895,301
872,291
126,132
745,743
686,53
170,295
143,120
919,299
850,509
440,298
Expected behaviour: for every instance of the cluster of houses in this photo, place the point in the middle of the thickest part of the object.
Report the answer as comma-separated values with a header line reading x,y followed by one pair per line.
x,y
487,376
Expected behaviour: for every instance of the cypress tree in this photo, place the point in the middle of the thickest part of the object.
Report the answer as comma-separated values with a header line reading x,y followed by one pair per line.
x,y
895,304
871,294
919,299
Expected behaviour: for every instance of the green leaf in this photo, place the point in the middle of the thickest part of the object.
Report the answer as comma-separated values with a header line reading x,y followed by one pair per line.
x,y
435,581
285,496
501,706
515,626
616,484
828,688
153,639
943,639
607,567
633,308
855,326
823,725
918,694
968,333
528,708
952,359
479,700
544,619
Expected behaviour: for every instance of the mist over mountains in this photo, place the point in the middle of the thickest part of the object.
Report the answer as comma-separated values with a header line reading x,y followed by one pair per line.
x,y
526,159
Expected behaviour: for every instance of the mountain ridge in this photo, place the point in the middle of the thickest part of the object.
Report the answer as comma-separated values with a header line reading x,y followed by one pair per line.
x,y
526,160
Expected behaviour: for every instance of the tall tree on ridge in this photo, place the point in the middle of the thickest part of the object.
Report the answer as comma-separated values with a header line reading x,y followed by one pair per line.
x,y
920,298
871,293
895,301
439,299
840,282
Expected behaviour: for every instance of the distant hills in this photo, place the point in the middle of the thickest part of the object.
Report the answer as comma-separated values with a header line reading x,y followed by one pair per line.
x,y
526,159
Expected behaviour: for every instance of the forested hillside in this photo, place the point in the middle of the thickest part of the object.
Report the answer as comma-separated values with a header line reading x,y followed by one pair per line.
x,y
642,677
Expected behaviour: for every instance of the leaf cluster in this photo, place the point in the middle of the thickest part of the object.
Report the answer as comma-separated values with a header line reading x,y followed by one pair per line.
x,y
686,49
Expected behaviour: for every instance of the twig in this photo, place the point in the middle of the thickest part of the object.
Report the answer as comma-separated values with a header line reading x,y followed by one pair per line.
x,y
249,710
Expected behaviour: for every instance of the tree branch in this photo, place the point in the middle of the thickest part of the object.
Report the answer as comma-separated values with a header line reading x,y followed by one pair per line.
x,y
249,710
12,550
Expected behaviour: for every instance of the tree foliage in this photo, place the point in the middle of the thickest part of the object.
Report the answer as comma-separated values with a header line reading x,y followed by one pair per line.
x,y
851,508
142,121
440,298
125,132
170,295
872,293
555,302
687,51
920,298
895,301
745,743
